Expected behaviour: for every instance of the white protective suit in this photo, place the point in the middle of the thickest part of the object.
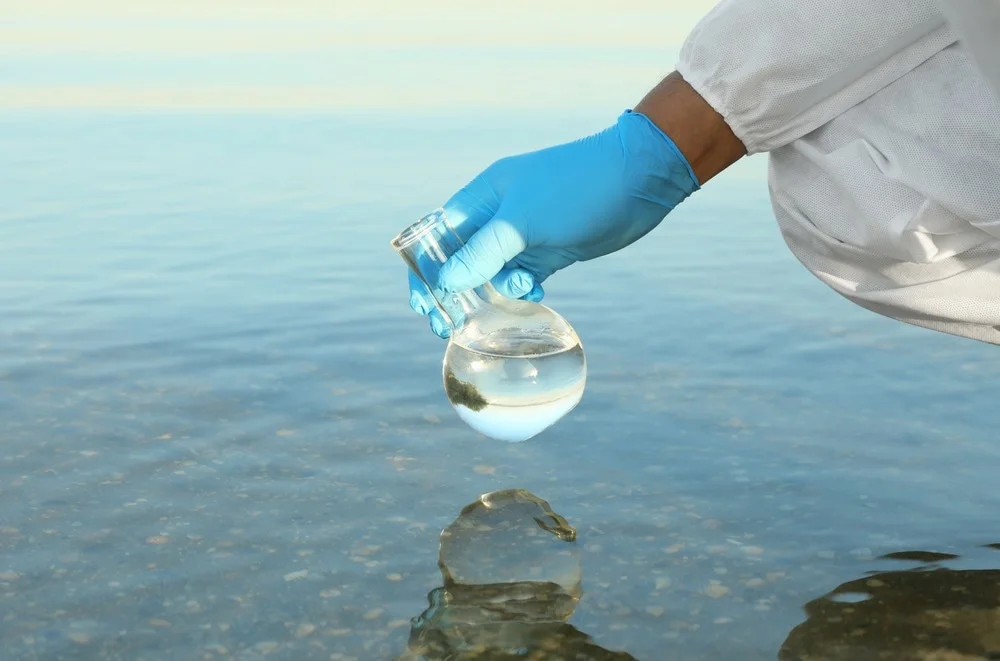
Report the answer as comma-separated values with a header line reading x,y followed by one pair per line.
x,y
883,131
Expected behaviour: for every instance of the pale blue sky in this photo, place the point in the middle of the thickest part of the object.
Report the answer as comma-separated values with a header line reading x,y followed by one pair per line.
x,y
323,55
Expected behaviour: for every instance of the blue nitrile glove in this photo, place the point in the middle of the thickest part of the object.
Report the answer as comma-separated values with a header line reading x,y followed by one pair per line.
x,y
527,216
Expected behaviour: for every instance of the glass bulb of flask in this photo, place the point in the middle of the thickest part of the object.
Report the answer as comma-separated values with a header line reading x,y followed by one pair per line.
x,y
512,368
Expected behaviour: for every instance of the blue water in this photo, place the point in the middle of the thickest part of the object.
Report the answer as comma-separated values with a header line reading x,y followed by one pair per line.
x,y
225,436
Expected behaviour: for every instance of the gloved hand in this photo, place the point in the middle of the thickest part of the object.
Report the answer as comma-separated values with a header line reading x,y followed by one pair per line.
x,y
527,216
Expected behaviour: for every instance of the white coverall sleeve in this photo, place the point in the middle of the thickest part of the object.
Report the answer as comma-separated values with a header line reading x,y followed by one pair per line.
x,y
778,69
977,24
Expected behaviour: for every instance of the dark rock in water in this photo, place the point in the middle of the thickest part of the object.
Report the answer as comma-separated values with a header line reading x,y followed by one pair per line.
x,y
915,615
919,556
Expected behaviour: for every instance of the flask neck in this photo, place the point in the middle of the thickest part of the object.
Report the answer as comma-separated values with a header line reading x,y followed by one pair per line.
x,y
425,246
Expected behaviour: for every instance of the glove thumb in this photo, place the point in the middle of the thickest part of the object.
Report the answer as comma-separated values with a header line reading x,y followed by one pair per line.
x,y
483,256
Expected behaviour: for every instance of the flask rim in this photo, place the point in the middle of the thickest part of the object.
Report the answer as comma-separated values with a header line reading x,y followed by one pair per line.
x,y
419,229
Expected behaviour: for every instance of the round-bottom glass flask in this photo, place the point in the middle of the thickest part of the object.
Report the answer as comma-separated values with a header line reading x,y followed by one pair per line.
x,y
512,368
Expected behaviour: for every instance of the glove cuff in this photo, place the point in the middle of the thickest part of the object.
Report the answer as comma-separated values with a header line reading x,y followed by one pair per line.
x,y
656,166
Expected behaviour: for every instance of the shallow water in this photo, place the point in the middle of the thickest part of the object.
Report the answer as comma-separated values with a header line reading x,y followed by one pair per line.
x,y
225,436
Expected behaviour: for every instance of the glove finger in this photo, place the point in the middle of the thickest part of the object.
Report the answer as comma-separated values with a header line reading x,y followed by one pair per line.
x,y
513,282
421,301
438,325
487,251
471,207
535,295
542,262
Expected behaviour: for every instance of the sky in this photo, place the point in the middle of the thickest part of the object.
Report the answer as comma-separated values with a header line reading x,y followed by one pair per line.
x,y
334,55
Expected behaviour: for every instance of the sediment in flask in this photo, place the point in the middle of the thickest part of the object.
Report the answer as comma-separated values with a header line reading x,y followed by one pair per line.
x,y
463,393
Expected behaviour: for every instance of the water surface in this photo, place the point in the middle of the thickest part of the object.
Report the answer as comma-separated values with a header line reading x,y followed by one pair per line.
x,y
225,435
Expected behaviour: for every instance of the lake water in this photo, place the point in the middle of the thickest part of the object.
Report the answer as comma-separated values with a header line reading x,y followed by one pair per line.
x,y
224,434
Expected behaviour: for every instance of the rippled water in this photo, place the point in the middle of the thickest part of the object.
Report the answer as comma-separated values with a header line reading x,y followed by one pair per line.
x,y
225,436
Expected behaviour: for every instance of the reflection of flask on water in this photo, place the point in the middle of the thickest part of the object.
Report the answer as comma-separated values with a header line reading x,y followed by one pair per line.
x,y
512,540
512,579
512,368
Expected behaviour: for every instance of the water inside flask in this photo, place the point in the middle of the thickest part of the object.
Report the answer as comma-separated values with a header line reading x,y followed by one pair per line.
x,y
512,368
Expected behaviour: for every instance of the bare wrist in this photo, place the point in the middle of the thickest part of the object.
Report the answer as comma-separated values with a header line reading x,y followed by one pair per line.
x,y
700,133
